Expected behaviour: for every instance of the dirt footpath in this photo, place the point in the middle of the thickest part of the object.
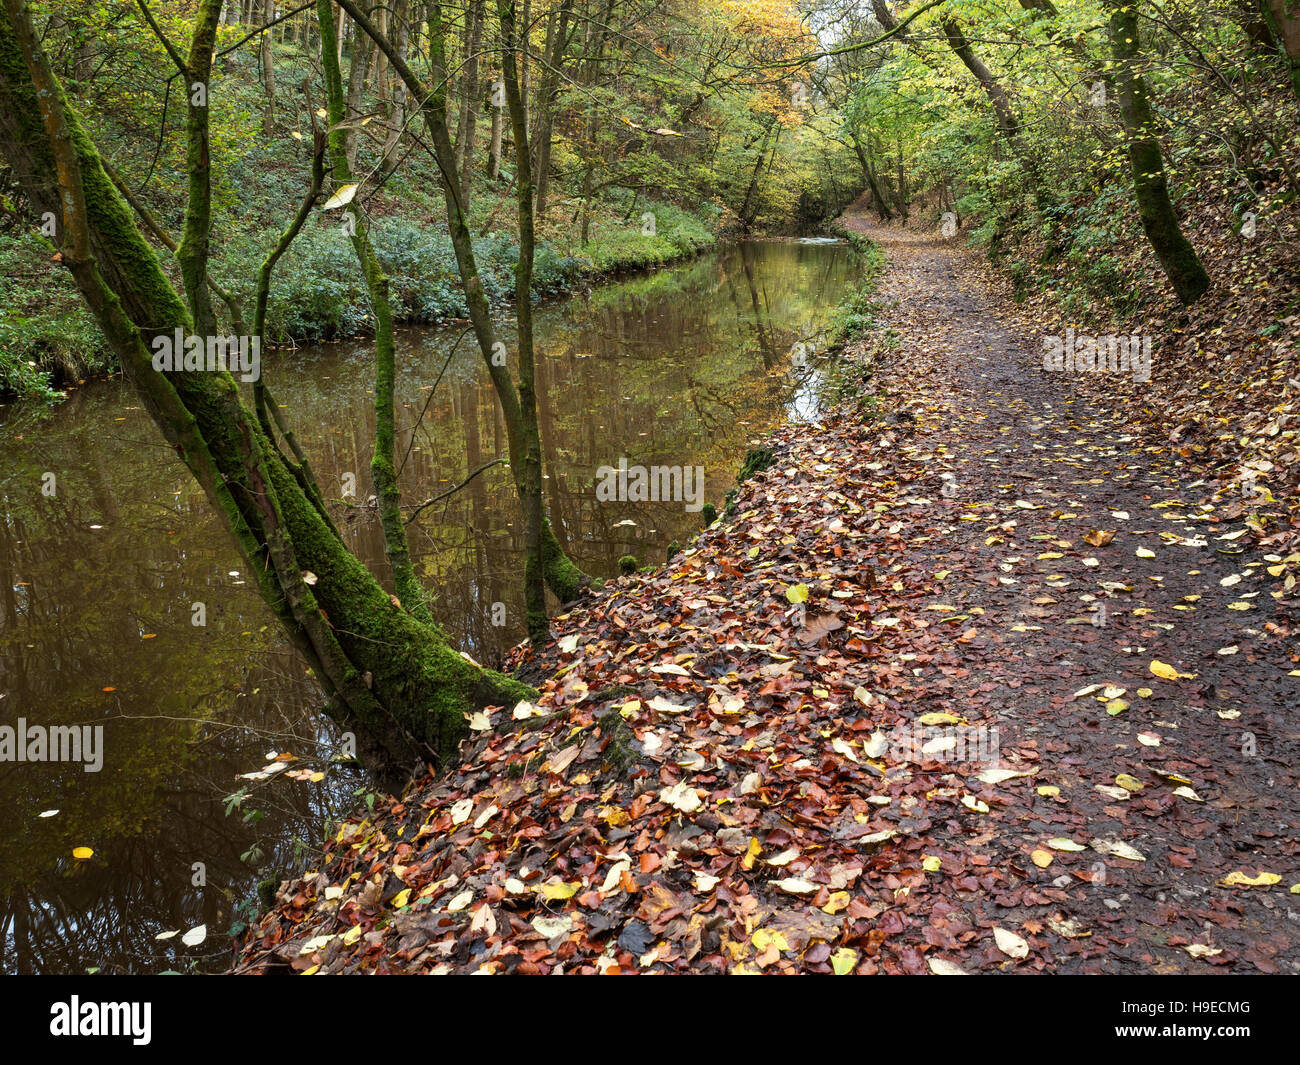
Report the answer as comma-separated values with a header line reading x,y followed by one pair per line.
x,y
1135,651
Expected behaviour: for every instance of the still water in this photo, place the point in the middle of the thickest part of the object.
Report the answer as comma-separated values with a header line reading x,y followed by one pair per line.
x,y
102,565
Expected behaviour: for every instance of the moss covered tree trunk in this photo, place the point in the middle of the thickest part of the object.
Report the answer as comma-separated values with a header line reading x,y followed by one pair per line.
x,y
392,678
1159,220
561,575
531,491
383,460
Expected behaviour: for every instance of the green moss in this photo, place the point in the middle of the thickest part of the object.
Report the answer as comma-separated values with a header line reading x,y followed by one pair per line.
x,y
620,754
266,892
562,575
627,565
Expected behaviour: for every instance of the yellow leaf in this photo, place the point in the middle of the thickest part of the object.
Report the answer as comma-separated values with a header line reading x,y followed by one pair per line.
x,y
839,900
1239,879
1042,858
931,863
1049,791
1129,783
341,197
797,593
844,960
751,852
401,898
560,890
1168,672
83,853
765,937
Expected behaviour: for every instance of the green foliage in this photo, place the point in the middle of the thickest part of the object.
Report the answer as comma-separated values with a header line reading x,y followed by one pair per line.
x,y
47,337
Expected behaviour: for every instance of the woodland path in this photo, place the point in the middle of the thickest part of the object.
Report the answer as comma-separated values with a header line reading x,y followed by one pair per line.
x,y
1041,459
718,773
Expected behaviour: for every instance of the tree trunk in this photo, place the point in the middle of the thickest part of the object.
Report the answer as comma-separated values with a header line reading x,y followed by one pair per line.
x,y
392,678
358,60
546,112
494,148
1006,116
397,105
1175,252
564,578
531,481
470,92
383,462
869,172
1283,18
268,69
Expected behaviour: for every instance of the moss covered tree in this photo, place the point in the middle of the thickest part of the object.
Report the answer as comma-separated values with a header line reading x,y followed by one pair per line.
x,y
391,677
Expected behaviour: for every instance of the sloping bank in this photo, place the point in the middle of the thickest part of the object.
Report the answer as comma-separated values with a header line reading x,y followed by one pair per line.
x,y
693,790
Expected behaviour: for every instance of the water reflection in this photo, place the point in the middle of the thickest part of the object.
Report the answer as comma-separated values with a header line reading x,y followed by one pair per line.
x,y
99,580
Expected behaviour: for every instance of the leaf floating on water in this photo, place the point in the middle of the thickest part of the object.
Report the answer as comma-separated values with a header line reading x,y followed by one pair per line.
x,y
195,935
82,853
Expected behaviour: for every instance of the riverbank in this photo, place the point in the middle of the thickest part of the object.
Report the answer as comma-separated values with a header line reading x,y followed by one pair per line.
x,y
959,687
49,342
